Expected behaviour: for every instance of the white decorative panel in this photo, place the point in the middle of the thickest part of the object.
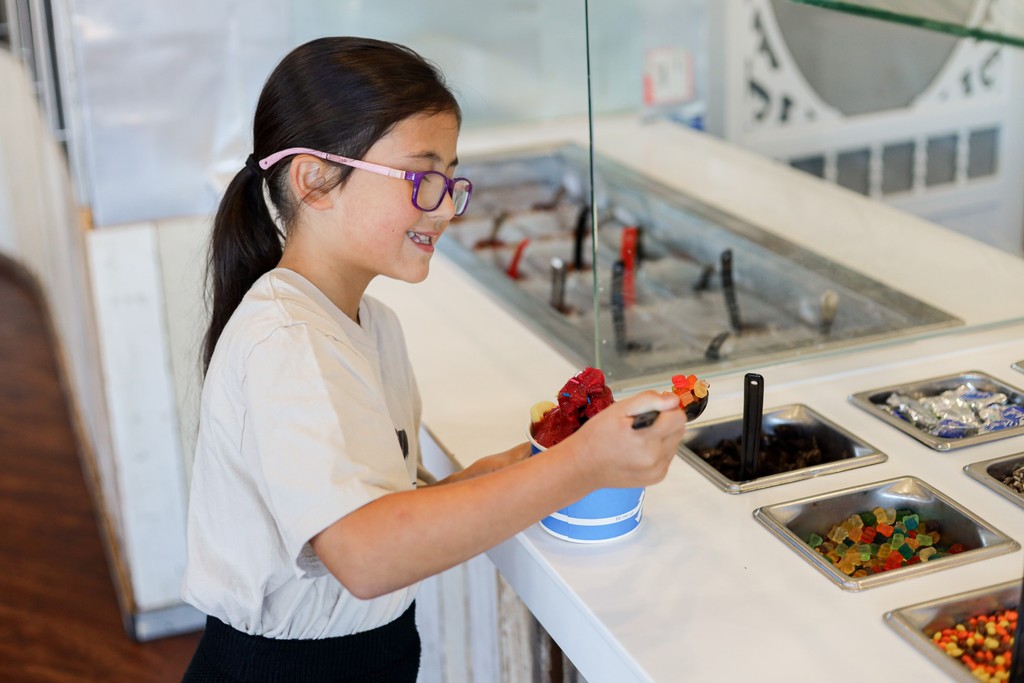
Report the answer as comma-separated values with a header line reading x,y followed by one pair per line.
x,y
129,303
182,246
927,122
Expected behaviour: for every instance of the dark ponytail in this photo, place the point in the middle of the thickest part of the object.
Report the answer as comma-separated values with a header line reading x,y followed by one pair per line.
x,y
245,244
336,95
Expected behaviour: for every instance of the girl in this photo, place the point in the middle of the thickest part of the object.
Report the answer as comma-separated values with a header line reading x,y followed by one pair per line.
x,y
307,534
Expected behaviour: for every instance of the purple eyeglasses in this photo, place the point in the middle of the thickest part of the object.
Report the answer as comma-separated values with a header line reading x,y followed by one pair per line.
x,y
428,187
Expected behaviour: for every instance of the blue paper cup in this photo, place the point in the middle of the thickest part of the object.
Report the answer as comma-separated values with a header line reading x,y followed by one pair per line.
x,y
602,515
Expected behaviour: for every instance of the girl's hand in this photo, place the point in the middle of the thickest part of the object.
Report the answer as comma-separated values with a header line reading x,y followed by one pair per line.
x,y
609,453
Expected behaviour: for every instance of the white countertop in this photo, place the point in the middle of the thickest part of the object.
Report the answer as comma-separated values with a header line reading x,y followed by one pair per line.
x,y
675,600
703,592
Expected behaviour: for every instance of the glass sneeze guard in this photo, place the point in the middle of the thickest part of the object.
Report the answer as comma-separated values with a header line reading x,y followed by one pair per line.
x,y
994,22
679,284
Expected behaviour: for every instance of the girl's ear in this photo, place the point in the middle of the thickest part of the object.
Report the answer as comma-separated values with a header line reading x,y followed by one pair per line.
x,y
308,178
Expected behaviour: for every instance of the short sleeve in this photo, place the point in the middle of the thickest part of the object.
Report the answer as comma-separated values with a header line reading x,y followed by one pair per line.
x,y
320,434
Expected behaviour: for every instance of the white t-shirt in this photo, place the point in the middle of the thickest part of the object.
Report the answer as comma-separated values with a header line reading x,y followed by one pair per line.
x,y
299,422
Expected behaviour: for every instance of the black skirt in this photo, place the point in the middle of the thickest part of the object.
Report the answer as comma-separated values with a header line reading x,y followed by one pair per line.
x,y
388,654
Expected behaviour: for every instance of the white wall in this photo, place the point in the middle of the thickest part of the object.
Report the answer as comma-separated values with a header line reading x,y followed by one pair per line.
x,y
167,90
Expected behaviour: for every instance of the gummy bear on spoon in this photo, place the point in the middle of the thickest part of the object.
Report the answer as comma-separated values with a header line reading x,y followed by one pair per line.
x,y
692,393
693,398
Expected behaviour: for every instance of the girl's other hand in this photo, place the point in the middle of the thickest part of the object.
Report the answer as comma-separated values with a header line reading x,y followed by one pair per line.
x,y
491,463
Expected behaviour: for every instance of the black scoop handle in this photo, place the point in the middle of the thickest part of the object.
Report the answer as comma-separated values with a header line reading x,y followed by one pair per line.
x,y
753,409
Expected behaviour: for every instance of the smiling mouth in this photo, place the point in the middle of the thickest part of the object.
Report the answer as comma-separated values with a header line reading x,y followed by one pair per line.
x,y
419,239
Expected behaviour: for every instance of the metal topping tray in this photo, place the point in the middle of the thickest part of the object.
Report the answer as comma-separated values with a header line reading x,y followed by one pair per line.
x,y
917,623
840,450
874,400
1019,366
992,472
793,522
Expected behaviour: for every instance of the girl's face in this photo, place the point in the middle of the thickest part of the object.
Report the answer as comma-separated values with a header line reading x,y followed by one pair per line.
x,y
377,230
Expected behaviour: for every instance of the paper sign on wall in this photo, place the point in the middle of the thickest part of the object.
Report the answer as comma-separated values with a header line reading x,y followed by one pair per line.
x,y
668,76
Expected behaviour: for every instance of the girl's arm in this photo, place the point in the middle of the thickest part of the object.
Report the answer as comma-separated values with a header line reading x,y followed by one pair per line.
x,y
402,538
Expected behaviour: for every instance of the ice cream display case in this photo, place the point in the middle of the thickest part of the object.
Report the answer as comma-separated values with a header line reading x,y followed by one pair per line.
x,y
663,281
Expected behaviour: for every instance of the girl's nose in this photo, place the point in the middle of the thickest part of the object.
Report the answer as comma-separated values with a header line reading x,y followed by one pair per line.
x,y
446,209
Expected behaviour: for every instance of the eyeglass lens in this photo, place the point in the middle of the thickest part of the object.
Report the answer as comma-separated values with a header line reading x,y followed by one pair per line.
x,y
432,187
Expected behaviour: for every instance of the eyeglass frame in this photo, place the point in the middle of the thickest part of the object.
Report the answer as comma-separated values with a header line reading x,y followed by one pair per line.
x,y
415,176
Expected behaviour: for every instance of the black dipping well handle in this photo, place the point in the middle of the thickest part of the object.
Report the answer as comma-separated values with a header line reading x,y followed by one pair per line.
x,y
558,284
582,223
619,307
729,289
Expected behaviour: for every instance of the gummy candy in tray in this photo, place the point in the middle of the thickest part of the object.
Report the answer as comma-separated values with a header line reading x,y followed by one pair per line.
x,y
882,539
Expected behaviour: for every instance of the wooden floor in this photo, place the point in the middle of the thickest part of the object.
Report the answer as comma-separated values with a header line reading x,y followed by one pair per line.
x,y
59,619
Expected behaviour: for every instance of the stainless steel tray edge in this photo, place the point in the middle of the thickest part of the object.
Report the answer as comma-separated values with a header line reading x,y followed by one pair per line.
x,y
952,667
903,623
729,486
812,556
979,472
765,515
